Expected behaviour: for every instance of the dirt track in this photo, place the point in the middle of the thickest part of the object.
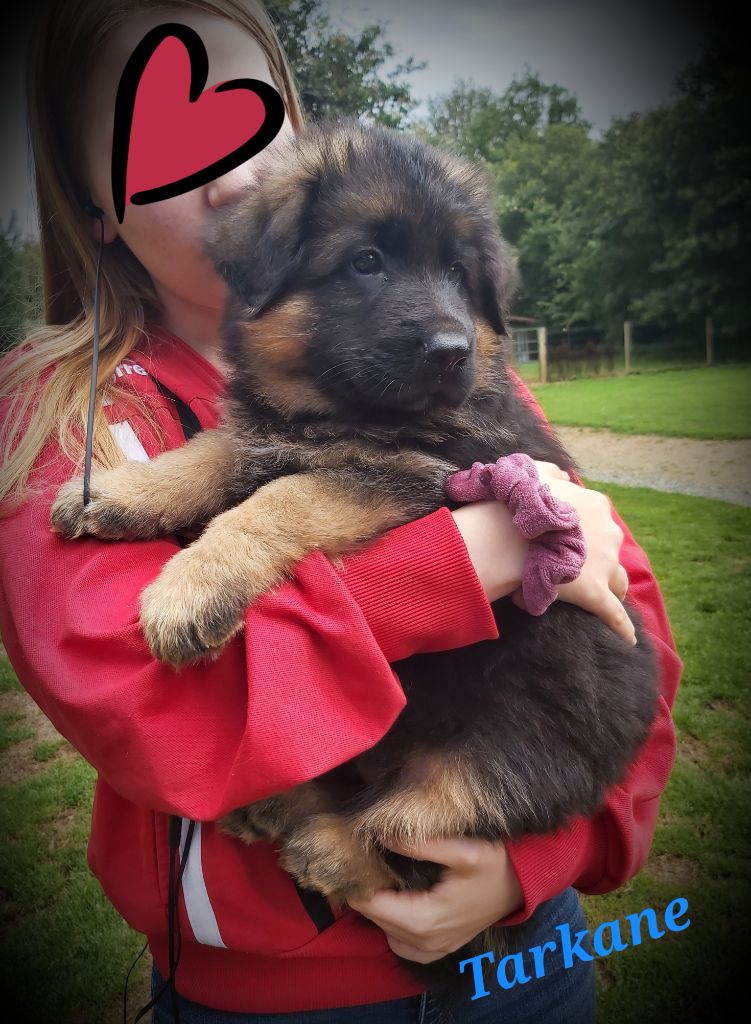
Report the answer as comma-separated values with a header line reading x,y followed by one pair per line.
x,y
712,469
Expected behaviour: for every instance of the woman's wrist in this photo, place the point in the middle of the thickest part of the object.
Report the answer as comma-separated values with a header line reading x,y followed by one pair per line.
x,y
496,548
418,588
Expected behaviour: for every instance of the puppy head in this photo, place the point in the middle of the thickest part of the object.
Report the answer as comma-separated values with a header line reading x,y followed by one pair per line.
x,y
369,265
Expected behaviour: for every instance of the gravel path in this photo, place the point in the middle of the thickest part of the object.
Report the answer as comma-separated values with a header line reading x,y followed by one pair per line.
x,y
712,469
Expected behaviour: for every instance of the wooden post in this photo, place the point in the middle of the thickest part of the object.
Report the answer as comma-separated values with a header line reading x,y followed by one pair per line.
x,y
627,345
542,353
709,332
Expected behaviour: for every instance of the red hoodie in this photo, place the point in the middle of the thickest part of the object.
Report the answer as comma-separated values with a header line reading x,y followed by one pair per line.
x,y
306,686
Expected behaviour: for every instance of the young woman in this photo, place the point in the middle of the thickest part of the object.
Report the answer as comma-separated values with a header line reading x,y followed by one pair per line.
x,y
308,684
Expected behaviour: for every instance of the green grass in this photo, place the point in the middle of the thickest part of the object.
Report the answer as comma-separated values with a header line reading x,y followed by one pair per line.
x,y
711,402
11,732
67,951
46,751
8,679
529,372
699,551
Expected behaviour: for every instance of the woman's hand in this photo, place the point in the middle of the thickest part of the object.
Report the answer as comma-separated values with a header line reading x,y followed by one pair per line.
x,y
478,888
497,550
602,584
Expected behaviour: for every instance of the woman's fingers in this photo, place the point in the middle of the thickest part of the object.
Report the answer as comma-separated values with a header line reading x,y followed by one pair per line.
x,y
615,615
420,956
602,585
619,583
550,469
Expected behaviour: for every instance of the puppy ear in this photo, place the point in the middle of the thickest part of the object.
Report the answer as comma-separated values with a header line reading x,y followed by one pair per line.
x,y
494,277
257,244
497,277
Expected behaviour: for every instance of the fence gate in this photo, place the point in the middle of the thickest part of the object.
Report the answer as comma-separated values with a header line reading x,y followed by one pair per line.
x,y
524,344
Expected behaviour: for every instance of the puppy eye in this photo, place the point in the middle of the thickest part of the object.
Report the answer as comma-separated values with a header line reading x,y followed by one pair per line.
x,y
457,271
367,262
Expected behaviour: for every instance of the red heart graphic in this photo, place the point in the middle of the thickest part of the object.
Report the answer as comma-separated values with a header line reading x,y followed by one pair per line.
x,y
170,136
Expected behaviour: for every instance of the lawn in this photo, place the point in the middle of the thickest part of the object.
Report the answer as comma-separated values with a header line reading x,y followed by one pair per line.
x,y
699,551
706,402
66,951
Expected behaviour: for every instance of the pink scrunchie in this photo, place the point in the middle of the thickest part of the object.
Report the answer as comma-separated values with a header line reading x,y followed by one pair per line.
x,y
557,550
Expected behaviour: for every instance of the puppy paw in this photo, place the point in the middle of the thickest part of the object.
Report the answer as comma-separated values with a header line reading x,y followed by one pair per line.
x,y
72,518
68,513
323,856
237,825
191,610
104,516
322,875
264,819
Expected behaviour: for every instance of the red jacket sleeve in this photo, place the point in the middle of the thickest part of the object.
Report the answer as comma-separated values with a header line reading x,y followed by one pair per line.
x,y
306,686
601,853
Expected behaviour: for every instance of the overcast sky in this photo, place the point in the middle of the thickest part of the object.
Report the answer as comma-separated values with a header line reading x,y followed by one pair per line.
x,y
618,56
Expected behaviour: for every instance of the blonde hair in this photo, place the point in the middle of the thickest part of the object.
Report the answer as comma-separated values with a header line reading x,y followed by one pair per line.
x,y
60,348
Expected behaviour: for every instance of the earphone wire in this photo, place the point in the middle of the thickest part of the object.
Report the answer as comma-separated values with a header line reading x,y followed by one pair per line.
x,y
175,877
94,368
127,980
174,940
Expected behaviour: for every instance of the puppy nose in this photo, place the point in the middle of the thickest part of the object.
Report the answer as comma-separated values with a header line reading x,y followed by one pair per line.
x,y
445,351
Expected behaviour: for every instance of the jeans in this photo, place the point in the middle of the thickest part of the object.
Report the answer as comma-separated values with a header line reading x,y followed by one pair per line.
x,y
560,995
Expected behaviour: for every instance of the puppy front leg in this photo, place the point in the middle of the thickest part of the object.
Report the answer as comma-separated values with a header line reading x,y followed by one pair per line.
x,y
176,490
198,602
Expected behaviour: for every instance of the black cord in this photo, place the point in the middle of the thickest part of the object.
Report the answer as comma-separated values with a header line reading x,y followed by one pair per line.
x,y
94,367
127,979
174,934
172,914
94,211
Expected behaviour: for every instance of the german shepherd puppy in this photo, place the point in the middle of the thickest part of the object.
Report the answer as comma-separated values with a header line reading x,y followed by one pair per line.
x,y
369,287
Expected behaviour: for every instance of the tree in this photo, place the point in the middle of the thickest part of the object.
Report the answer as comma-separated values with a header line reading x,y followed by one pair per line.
x,y
481,125
535,180
668,221
648,223
534,144
20,284
342,75
697,164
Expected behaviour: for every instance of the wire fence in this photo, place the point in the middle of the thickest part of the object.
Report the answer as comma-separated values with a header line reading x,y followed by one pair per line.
x,y
542,353
579,352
